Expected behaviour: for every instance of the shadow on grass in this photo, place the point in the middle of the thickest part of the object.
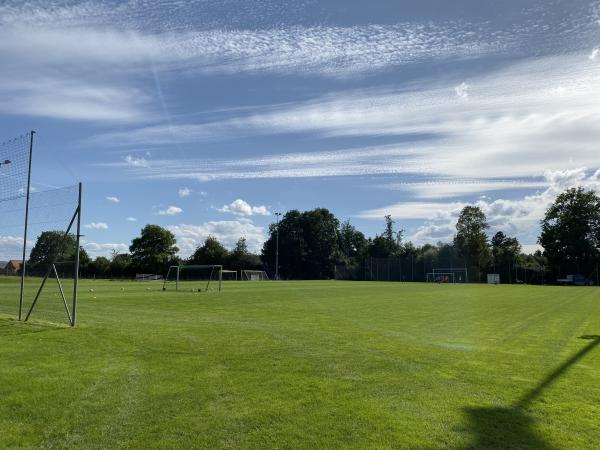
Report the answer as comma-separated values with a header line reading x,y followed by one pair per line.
x,y
12,327
503,428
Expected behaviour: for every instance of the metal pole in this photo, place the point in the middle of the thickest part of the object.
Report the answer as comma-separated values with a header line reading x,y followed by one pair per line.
x,y
37,296
22,290
277,214
76,283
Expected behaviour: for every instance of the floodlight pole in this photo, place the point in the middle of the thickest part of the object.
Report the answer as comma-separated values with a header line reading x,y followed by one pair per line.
x,y
21,292
277,214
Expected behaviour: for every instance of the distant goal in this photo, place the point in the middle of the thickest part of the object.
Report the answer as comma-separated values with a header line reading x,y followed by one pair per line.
x,y
198,278
254,275
448,275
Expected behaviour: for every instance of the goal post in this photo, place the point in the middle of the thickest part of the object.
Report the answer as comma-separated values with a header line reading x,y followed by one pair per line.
x,y
448,275
194,275
254,275
229,275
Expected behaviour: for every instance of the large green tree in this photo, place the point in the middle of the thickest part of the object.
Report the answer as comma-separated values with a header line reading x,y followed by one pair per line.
x,y
308,244
352,243
387,244
54,246
153,250
210,252
571,231
471,239
241,258
505,253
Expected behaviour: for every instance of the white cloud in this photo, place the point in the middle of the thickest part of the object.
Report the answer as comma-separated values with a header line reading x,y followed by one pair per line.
x,y
170,211
104,249
131,219
136,161
240,207
462,90
448,188
11,247
113,199
189,237
594,54
184,192
519,216
96,226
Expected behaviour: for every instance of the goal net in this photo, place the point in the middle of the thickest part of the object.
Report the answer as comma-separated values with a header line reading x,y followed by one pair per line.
x,y
254,275
199,278
448,275
229,275
148,277
39,244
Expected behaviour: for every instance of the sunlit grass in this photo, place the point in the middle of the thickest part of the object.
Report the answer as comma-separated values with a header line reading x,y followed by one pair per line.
x,y
303,365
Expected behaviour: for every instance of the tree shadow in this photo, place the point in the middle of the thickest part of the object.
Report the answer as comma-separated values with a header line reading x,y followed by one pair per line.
x,y
512,427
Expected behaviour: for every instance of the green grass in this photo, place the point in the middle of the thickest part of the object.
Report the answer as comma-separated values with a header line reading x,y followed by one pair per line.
x,y
305,365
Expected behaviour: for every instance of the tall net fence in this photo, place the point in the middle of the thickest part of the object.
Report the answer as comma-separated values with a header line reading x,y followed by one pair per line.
x,y
445,269
51,247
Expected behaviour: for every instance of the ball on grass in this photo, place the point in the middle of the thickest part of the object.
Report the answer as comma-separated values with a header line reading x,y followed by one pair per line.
x,y
91,290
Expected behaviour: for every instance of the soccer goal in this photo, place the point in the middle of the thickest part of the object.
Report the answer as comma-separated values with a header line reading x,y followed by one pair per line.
x,y
448,275
148,277
254,275
229,275
200,278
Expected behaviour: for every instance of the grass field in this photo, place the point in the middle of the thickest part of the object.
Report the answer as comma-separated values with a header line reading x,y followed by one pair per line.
x,y
306,365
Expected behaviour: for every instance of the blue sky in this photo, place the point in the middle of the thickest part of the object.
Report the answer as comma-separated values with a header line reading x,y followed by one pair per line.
x,y
207,116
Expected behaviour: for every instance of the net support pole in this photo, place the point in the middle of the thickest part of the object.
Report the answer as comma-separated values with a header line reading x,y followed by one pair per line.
x,y
37,296
23,262
220,277
77,251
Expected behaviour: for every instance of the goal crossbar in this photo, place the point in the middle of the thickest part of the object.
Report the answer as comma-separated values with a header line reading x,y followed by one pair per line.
x,y
215,269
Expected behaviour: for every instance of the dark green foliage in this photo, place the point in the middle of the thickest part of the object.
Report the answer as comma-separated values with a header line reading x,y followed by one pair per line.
x,y
54,246
471,239
154,250
211,252
505,254
240,258
352,242
308,244
388,244
571,231
100,266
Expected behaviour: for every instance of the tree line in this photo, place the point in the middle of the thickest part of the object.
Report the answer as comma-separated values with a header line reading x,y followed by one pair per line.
x,y
152,252
312,243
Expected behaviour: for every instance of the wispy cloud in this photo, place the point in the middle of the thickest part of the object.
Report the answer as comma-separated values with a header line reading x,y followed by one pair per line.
x,y
134,161
113,199
131,219
184,192
521,120
104,249
90,61
96,226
